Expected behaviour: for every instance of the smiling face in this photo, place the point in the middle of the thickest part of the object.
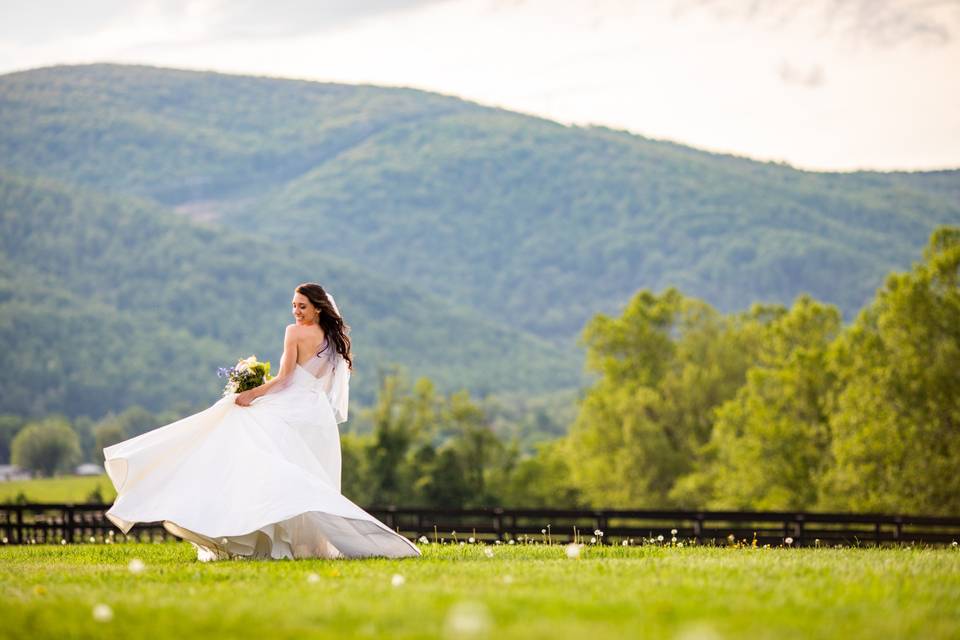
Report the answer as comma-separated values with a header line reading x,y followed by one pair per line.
x,y
303,310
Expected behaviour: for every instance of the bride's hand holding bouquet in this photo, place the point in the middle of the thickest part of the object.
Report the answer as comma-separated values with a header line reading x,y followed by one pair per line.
x,y
243,378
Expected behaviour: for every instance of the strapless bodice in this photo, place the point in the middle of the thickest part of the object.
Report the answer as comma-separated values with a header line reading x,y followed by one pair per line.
x,y
303,378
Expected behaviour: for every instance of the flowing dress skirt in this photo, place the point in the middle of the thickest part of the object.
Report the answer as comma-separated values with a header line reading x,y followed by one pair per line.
x,y
261,481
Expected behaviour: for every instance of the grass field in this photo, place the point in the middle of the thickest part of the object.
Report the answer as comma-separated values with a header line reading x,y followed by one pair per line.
x,y
522,591
59,489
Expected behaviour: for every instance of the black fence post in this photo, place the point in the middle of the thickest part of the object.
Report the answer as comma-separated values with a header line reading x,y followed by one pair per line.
x,y
68,523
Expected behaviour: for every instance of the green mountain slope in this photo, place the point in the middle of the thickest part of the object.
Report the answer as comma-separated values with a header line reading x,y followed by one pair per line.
x,y
531,223
107,301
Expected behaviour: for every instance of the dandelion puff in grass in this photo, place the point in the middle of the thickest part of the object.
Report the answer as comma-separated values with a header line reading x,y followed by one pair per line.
x,y
488,552
62,541
659,538
423,540
102,612
92,539
512,541
673,532
136,566
788,540
398,580
467,618
471,539
573,550
952,544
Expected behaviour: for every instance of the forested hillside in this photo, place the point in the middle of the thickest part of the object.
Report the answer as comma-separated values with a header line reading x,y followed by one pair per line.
x,y
519,218
175,210
107,302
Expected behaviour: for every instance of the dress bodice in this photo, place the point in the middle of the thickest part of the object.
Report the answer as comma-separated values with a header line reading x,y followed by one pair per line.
x,y
326,371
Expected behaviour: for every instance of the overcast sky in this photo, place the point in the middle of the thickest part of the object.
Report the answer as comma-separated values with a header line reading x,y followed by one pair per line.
x,y
821,84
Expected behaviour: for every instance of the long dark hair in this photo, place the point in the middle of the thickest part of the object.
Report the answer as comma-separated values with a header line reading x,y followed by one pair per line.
x,y
334,328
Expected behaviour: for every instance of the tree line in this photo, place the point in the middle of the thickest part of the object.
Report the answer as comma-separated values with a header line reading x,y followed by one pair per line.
x,y
773,407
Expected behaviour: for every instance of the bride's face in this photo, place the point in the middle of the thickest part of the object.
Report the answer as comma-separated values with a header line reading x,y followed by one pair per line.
x,y
303,309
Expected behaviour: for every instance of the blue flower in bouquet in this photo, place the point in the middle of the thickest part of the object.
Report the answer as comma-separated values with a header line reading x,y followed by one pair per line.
x,y
248,373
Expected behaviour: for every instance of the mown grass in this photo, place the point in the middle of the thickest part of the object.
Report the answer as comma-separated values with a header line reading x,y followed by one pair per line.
x,y
59,489
522,591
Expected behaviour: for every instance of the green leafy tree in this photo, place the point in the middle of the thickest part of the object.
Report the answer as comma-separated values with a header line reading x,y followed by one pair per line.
x,y
46,447
107,433
769,446
9,426
896,415
400,417
664,365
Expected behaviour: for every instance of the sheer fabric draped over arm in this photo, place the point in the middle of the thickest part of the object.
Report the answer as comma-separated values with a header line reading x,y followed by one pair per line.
x,y
330,368
333,376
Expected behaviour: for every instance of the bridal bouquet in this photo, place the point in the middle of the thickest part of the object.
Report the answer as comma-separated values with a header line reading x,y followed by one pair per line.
x,y
246,374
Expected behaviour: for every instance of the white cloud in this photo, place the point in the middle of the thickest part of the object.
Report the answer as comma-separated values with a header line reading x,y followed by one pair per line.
x,y
709,73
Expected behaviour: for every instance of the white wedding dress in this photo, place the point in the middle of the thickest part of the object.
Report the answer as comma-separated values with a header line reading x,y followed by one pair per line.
x,y
261,481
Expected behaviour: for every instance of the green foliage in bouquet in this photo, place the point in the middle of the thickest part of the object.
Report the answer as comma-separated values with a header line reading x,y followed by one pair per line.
x,y
247,374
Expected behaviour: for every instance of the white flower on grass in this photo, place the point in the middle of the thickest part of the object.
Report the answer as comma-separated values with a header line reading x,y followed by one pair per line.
x,y
573,550
488,552
673,539
512,541
788,540
659,538
92,539
697,631
102,612
952,544
136,566
398,580
543,531
423,540
468,618
62,541
625,543
679,544
593,540
5,540
313,578
471,539
673,532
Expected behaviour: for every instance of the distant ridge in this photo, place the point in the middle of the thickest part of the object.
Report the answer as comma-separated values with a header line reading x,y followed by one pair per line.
x,y
529,225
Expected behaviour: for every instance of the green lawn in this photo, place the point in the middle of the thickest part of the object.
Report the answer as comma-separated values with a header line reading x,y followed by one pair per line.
x,y
522,591
59,489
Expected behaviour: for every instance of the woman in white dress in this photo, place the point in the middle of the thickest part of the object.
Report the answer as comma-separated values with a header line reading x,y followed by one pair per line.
x,y
258,473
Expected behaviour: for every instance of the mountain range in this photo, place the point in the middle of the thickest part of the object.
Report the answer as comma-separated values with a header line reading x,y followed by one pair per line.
x,y
155,221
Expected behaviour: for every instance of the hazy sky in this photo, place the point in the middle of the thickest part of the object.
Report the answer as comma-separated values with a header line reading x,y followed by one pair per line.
x,y
821,84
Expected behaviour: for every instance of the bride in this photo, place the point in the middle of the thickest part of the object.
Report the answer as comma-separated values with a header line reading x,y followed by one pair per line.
x,y
257,474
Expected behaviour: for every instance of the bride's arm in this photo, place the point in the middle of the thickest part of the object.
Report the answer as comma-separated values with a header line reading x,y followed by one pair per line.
x,y
288,362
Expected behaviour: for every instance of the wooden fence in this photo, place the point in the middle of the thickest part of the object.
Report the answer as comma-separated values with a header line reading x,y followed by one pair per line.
x,y
71,523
